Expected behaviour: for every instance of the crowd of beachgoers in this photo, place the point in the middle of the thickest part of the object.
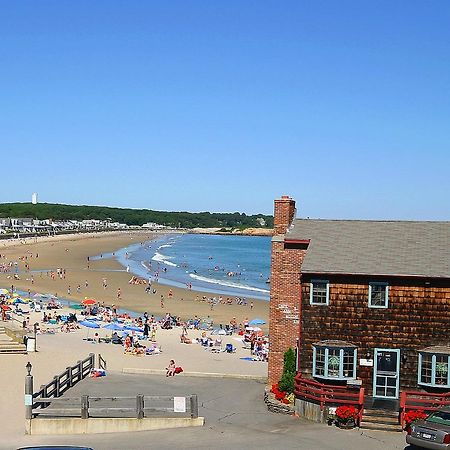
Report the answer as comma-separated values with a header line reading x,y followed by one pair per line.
x,y
136,334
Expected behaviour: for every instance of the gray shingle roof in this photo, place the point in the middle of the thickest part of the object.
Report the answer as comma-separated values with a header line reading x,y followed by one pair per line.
x,y
375,247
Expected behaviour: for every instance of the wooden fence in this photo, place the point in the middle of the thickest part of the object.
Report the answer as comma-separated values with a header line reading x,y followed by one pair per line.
x,y
60,384
141,406
414,400
329,395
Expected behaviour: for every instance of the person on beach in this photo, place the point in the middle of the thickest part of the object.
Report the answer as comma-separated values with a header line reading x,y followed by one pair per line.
x,y
119,294
170,369
146,330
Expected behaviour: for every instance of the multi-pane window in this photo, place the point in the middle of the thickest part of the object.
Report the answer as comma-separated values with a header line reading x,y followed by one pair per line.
x,y
320,361
319,293
433,369
334,362
378,295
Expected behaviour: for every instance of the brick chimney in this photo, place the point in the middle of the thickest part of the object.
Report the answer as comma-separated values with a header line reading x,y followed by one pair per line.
x,y
284,213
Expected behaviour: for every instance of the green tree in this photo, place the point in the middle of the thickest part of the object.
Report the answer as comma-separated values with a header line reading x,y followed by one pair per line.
x,y
286,383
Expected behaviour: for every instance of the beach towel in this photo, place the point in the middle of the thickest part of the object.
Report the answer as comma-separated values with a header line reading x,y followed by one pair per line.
x,y
178,370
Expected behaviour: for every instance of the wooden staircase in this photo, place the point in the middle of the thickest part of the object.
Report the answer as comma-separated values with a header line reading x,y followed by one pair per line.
x,y
9,345
380,419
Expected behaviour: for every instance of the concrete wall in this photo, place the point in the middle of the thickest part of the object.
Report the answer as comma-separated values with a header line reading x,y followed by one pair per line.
x,y
95,425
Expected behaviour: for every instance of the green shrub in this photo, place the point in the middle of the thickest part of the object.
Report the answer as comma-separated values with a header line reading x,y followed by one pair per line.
x,y
286,383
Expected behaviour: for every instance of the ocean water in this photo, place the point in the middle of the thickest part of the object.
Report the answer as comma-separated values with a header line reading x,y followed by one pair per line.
x,y
227,265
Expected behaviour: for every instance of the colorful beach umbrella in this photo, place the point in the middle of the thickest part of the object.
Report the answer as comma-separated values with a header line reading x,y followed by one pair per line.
x,y
132,328
89,301
113,326
257,322
88,324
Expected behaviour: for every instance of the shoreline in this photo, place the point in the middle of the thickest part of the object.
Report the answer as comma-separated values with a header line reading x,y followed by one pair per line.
x,y
212,286
71,251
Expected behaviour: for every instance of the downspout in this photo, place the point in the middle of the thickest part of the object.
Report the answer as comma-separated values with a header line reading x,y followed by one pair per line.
x,y
299,324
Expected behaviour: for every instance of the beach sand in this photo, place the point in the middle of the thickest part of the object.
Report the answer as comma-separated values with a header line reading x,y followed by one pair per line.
x,y
57,351
70,252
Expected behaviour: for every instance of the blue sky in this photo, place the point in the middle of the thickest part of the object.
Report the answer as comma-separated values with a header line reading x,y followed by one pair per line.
x,y
223,106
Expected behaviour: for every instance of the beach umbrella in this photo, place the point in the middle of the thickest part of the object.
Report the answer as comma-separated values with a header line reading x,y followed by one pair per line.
x,y
253,329
77,306
257,322
222,332
89,301
132,328
113,326
4,292
19,300
88,324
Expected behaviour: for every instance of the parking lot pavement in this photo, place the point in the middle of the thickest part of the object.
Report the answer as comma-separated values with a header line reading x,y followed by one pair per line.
x,y
235,415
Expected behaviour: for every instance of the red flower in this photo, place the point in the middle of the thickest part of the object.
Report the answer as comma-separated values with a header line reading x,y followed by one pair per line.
x,y
413,415
346,412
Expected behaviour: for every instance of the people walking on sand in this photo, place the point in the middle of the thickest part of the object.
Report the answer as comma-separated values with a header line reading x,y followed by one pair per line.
x,y
86,284
119,294
251,305
68,290
162,301
153,332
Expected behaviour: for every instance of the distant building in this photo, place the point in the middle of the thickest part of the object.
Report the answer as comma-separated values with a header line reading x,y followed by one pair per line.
x,y
34,198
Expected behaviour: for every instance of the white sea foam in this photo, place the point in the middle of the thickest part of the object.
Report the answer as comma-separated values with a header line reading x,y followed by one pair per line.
x,y
147,266
164,245
228,283
163,259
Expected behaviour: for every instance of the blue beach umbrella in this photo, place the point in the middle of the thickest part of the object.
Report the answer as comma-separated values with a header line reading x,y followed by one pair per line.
x,y
113,326
131,328
88,324
257,322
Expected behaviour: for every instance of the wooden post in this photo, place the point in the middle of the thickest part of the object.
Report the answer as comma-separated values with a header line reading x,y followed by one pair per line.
x,y
92,361
140,406
84,406
69,377
80,370
57,385
29,394
194,406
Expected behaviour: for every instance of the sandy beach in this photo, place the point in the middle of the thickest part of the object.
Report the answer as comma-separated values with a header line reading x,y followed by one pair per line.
x,y
70,252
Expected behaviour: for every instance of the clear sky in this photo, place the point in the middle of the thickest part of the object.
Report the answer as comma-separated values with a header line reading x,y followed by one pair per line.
x,y
223,106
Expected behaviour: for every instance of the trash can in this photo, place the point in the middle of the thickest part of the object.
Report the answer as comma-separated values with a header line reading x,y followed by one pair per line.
x,y
31,344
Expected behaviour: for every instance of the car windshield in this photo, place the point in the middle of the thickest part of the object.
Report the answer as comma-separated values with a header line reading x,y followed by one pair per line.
x,y
442,417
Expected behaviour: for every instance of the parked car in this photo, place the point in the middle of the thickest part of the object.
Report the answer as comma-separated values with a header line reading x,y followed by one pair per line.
x,y
55,447
432,432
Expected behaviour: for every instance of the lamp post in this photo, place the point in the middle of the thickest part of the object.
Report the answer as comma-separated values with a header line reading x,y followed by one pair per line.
x,y
28,392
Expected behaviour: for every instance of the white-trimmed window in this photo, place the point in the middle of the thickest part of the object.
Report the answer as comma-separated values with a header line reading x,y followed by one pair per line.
x,y
334,362
378,295
319,292
434,369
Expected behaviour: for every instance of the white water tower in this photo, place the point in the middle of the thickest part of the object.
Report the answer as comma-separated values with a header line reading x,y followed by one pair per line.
x,y
34,198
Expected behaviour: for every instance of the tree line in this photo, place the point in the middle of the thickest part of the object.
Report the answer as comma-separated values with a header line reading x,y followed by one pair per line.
x,y
129,216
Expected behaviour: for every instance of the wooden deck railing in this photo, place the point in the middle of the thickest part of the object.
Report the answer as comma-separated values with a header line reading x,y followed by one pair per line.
x,y
425,401
329,395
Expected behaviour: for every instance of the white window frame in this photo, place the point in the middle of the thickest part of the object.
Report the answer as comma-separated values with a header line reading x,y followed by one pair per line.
x,y
341,363
386,286
311,293
433,370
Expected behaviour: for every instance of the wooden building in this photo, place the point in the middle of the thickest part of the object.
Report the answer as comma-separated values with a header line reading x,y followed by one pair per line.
x,y
364,302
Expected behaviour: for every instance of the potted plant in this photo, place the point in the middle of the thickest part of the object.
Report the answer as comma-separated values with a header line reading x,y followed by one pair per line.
x,y
346,416
413,415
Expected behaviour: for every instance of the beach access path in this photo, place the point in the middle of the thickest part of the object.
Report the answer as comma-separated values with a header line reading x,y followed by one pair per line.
x,y
60,350
235,417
